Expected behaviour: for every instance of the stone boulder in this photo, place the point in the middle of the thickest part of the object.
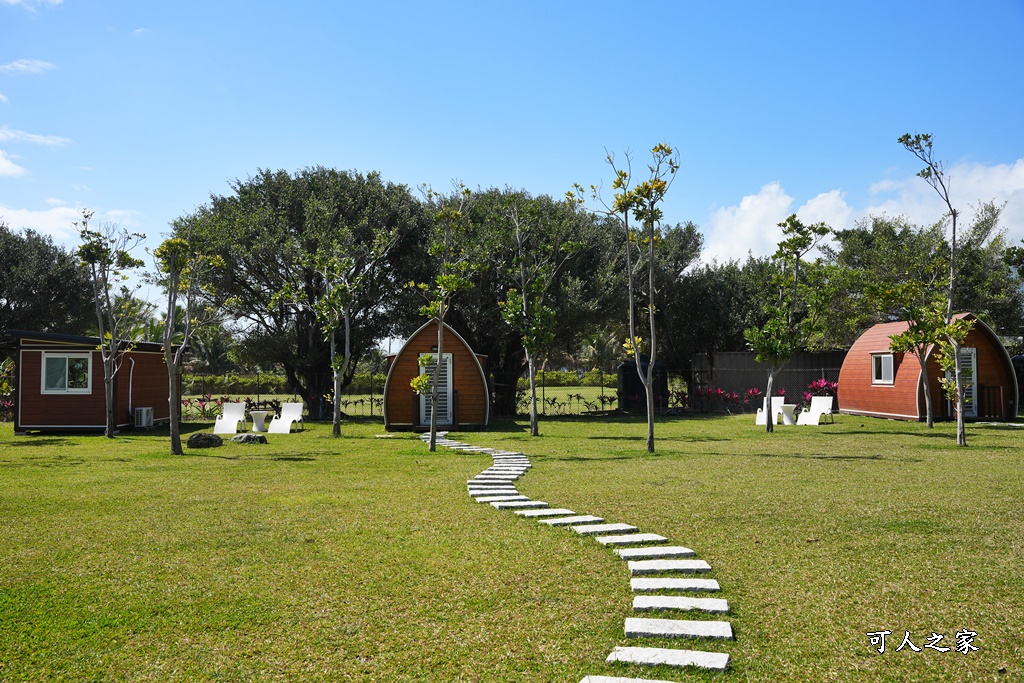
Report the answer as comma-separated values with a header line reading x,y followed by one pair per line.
x,y
249,438
202,440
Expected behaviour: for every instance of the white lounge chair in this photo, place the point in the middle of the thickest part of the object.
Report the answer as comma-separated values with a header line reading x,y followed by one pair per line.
x,y
227,423
777,403
821,406
290,412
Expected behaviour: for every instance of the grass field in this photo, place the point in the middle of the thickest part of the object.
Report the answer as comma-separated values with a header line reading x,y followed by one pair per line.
x,y
362,559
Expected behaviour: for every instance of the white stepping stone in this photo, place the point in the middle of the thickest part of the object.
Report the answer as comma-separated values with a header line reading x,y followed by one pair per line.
x,y
495,477
520,505
658,603
655,552
637,627
507,469
500,499
653,656
481,483
595,529
640,567
549,512
619,679
576,519
631,539
654,585
491,494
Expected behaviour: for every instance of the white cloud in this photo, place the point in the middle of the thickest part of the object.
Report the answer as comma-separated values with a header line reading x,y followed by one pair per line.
x,y
26,66
8,167
3,98
750,227
53,201
56,221
969,184
31,5
9,134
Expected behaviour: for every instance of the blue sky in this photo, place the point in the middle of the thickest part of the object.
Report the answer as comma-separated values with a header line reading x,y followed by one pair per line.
x,y
140,110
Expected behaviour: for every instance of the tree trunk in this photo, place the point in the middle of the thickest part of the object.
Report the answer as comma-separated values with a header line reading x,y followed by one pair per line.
x,y
437,371
336,376
961,431
108,384
534,427
769,414
929,415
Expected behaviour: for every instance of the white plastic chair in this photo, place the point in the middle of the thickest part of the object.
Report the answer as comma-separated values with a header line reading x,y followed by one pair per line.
x,y
777,403
821,406
290,412
227,423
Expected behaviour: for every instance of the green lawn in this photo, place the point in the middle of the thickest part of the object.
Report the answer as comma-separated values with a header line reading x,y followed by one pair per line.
x,y
362,559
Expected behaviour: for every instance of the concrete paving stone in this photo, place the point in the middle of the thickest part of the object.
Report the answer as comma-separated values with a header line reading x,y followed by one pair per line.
x,y
501,499
506,469
641,567
596,529
653,656
489,482
476,493
496,477
619,679
631,539
576,519
638,627
654,585
509,454
654,552
658,603
549,512
520,505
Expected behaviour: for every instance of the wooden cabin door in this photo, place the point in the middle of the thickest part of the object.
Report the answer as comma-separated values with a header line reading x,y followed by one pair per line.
x,y
969,366
444,391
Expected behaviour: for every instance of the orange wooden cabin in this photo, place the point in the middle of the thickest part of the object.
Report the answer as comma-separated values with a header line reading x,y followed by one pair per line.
x,y
59,383
875,381
464,399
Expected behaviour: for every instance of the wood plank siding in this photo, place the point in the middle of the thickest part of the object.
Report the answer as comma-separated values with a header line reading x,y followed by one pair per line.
x,y
142,380
904,398
471,402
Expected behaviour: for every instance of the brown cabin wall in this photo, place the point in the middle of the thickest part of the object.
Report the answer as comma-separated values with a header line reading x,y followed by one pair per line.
x,y
36,410
400,399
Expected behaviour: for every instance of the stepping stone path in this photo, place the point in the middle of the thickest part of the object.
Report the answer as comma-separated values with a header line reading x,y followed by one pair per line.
x,y
656,564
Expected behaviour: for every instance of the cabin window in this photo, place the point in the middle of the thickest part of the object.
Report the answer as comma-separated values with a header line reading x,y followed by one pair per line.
x,y
881,368
67,373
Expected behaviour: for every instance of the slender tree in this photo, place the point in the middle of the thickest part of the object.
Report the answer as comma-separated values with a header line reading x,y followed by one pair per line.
x,y
185,275
106,252
450,249
933,173
642,203
791,320
543,245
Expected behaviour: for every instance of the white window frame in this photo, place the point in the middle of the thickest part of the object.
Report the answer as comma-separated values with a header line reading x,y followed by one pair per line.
x,y
879,378
47,355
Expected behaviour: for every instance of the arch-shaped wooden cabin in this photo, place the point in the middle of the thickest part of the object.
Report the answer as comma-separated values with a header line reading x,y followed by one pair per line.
x,y
467,404
876,382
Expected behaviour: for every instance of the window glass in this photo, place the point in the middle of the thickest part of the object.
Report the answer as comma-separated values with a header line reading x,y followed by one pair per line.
x,y
56,373
78,373
881,368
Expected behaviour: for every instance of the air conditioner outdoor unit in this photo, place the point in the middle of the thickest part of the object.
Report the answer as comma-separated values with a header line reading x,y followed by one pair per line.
x,y
143,417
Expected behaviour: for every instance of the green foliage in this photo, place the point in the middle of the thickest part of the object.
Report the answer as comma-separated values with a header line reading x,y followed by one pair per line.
x,y
31,264
234,383
278,231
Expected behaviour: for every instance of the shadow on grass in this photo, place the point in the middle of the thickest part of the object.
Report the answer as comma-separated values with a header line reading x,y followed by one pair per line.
x,y
836,457
33,442
294,458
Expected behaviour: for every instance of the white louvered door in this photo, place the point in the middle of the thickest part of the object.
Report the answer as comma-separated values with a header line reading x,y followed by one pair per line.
x,y
444,392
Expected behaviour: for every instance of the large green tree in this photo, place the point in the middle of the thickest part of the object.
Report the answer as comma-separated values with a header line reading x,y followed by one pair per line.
x,y
43,287
265,231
